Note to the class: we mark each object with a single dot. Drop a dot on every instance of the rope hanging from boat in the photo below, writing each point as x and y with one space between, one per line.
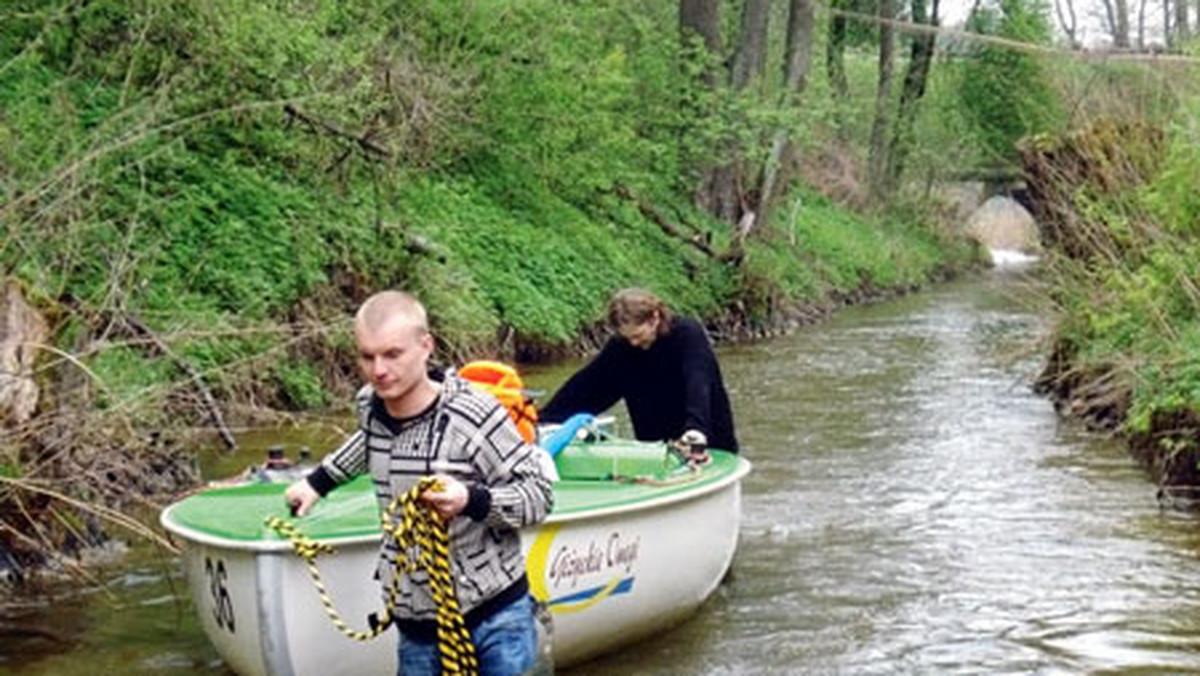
417 528
308 549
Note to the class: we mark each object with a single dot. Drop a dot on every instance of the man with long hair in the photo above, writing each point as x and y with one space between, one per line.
664 368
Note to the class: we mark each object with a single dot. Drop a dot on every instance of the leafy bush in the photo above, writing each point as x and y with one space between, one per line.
226 172
1140 309
1005 90
300 385
1173 197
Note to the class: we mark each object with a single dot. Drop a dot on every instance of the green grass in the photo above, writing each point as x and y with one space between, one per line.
154 179
1139 310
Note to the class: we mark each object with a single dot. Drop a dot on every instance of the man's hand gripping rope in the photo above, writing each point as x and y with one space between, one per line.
418 527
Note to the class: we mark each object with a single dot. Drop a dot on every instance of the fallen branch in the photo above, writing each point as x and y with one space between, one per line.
367 145
652 214
206 395
111 515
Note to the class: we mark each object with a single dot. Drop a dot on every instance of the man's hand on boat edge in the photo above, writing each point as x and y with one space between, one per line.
300 497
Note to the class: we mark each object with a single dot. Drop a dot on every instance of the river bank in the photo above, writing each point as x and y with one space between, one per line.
1102 399
1116 203
113 422
925 492
195 201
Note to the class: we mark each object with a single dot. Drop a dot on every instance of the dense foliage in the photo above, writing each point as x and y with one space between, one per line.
197 195
1006 91
1128 286
237 176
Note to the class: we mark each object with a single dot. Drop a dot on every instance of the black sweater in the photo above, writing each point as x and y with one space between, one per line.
672 387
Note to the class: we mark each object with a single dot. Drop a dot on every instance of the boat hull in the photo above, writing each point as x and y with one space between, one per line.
609 577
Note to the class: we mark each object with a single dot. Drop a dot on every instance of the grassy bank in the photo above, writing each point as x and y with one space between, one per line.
236 184
1120 203
194 199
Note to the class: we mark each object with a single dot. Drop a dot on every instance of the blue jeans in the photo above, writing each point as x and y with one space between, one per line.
505 644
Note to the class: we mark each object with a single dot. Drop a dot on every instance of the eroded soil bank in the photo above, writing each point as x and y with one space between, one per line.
1101 399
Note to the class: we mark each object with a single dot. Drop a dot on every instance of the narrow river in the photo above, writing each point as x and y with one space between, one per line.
914 509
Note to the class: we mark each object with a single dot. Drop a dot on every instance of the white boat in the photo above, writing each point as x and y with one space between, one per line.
636 542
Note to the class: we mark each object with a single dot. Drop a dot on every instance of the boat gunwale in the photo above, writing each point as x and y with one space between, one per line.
741 469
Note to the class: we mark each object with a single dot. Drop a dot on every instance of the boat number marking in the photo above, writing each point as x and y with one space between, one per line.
221 602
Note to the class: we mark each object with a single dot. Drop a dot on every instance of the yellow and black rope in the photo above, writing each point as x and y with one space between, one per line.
418 528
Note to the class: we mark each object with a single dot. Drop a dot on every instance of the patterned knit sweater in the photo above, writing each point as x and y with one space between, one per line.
468 435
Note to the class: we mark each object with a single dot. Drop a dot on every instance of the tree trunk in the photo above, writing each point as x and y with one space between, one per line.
1110 18
797 61
1182 30
799 47
1116 15
725 198
915 78
1166 13
835 53
701 19
700 39
1141 27
1068 20
877 154
1121 29
750 58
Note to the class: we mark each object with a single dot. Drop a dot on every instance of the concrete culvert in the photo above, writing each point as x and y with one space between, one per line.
1002 225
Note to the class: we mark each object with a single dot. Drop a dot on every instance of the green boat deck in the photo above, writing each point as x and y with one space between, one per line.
647 473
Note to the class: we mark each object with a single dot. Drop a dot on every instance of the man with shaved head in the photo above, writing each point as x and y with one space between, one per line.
414 423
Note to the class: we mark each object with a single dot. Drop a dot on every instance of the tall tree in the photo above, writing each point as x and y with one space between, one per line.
915 78
1182 30
1116 20
700 39
1168 39
1141 26
1117 13
750 57
798 53
1069 23
835 51
722 193
796 64
1005 92
877 153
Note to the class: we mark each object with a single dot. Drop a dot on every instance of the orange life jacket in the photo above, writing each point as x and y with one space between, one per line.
504 383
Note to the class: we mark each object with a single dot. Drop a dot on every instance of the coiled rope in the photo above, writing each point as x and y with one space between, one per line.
418 528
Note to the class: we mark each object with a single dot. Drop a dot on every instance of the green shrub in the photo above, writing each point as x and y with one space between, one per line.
300 386
1007 91
228 171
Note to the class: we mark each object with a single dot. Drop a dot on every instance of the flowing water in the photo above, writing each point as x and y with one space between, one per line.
914 509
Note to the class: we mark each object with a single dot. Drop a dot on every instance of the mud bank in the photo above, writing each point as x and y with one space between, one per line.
1100 399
